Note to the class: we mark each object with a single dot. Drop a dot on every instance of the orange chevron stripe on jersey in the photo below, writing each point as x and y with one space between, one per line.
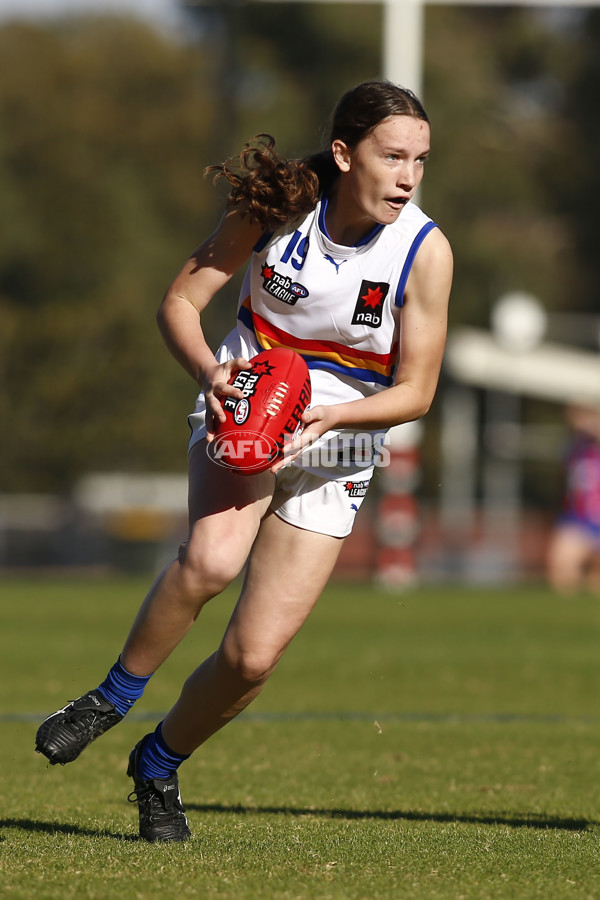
364 365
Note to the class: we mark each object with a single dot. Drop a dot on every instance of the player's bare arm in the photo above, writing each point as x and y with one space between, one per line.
204 274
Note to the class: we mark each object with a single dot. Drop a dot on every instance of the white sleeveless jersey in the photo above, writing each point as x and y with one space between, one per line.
339 307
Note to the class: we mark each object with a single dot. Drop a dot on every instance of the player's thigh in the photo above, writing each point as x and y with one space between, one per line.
215 489
287 571
225 511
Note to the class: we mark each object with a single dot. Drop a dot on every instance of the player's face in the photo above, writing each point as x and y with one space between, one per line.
382 173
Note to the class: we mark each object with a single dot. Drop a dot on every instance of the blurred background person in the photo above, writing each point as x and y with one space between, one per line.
574 549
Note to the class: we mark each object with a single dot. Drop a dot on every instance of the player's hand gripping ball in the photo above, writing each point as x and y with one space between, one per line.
259 426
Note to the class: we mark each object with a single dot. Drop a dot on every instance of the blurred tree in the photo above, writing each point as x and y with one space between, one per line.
496 80
288 87
576 183
105 126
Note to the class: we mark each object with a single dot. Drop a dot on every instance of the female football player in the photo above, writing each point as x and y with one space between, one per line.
372 275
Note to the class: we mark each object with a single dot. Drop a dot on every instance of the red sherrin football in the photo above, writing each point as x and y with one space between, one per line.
276 392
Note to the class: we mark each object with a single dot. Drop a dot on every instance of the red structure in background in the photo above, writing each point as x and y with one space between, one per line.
397 514
382 546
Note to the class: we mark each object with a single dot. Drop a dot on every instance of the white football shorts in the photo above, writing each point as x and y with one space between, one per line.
324 505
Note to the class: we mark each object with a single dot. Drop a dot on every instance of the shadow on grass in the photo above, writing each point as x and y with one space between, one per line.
35 825
533 820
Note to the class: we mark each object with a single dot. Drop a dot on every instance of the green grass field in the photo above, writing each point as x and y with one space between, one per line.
442 743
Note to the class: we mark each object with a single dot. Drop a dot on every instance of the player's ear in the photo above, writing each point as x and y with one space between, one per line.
341 154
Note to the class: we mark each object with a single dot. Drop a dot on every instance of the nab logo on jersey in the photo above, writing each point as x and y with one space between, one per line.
369 305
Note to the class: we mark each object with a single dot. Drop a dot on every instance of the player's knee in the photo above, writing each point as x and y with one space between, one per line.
253 669
206 571
251 666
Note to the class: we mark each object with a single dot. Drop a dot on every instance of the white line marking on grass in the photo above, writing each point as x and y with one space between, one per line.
355 716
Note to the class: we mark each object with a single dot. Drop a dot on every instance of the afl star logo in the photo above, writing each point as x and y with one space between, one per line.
241 412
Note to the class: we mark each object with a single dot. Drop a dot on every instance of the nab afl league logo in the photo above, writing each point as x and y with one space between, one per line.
282 286
369 304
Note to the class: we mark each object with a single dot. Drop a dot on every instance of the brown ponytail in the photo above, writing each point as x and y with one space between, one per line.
273 190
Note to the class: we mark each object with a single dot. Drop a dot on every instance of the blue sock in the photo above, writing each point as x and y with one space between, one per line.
157 760
122 688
